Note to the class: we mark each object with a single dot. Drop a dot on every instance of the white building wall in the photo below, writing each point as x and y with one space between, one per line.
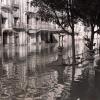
33 23
22 38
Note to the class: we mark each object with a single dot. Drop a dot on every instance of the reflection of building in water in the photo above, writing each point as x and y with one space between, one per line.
21 84
28 70
16 68
27 79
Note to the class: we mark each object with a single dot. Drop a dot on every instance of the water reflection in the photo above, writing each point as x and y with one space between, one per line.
41 72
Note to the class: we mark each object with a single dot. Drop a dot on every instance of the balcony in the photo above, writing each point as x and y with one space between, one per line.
6 7
19 27
46 26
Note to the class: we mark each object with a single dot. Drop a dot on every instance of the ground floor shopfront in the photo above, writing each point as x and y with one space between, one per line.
10 37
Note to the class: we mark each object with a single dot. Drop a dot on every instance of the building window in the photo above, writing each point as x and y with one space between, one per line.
15 21
28 19
3 20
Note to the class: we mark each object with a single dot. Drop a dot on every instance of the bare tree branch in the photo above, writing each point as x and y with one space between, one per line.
60 23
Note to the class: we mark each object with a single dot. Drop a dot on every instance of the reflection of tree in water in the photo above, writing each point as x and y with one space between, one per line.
41 73
73 89
79 88
83 88
58 65
50 85
97 77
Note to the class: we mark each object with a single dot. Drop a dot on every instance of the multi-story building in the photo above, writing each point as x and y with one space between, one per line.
19 23
9 17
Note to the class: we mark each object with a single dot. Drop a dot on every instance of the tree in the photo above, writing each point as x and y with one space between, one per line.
62 13
88 11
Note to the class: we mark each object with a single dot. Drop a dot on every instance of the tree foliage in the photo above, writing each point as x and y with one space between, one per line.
64 10
61 12
66 13
88 11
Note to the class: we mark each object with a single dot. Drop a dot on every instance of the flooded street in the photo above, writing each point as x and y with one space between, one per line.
49 50
41 72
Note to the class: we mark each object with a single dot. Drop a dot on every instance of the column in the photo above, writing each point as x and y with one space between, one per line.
13 38
34 39
8 39
39 38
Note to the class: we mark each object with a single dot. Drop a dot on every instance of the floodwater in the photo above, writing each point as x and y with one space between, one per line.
44 72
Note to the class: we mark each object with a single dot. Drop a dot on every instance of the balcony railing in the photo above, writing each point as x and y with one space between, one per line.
46 26
19 27
37 28
42 27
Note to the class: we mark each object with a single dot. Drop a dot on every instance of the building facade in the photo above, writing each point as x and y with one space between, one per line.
19 25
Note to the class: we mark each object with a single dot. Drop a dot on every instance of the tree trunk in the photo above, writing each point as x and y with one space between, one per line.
73 33
92 37
0 25
0 29
73 46
91 44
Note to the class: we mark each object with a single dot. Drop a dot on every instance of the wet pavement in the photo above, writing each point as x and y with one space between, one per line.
41 72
